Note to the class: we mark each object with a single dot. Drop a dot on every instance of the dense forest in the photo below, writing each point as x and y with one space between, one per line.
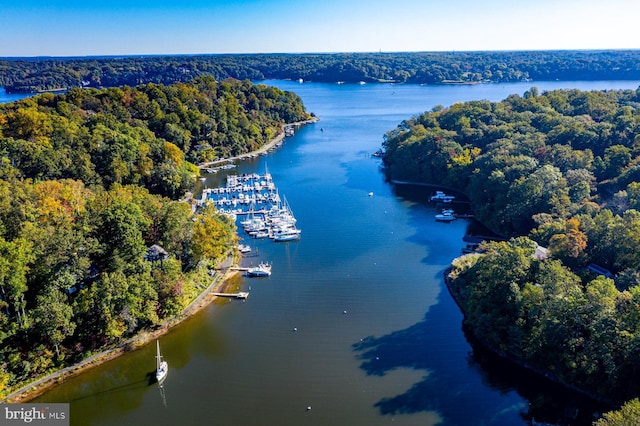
149 135
558 169
45 74
94 245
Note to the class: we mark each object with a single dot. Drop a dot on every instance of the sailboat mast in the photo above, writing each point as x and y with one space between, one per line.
158 357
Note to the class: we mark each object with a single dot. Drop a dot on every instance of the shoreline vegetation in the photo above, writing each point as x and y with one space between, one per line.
43 384
455 295
221 283
269 145
96 244
557 170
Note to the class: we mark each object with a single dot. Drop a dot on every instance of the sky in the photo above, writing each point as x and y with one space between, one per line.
139 27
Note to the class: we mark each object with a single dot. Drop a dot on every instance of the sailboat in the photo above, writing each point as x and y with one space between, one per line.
162 368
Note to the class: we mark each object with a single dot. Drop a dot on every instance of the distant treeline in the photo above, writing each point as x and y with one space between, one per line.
44 74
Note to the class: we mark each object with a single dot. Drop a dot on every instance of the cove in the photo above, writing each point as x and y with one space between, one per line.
378 340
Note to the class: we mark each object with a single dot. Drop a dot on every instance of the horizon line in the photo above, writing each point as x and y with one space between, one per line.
130 55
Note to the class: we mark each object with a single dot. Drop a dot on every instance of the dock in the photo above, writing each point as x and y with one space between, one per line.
239 295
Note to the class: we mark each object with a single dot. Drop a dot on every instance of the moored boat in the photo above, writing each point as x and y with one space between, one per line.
447 215
262 270
442 197
162 367
286 235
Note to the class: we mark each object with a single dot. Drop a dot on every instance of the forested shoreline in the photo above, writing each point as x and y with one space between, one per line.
557 169
28 75
94 244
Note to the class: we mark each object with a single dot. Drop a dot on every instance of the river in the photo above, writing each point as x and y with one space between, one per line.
378 338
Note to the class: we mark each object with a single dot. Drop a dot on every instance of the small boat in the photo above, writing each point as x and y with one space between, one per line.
371 194
446 216
162 368
244 248
262 270
259 234
442 197
287 235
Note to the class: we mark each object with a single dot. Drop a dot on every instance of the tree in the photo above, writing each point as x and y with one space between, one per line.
627 415
213 235
120 231
15 256
53 317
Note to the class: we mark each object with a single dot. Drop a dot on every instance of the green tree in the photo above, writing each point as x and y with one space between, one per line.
52 317
213 235
627 415
15 257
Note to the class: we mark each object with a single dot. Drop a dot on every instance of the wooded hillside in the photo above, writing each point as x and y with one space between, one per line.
94 246
559 169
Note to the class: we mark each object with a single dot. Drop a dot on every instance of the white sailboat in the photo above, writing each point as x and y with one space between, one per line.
162 368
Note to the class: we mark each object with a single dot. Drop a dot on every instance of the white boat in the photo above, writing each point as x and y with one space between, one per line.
446 216
244 248
286 235
259 234
262 270
162 368
442 197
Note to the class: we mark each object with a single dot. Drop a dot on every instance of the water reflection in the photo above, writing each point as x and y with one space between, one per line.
163 396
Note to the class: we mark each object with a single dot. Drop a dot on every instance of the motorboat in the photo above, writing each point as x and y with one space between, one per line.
286 235
262 270
442 197
447 215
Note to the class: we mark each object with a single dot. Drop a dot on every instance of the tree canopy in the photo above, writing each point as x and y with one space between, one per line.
44 74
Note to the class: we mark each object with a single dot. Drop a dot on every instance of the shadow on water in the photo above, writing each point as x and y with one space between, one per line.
426 346
457 370
121 388
455 392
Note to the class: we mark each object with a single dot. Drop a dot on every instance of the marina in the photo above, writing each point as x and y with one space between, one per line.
256 198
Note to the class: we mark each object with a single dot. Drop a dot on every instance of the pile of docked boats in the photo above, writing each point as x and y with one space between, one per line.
278 223
447 214
256 198
243 193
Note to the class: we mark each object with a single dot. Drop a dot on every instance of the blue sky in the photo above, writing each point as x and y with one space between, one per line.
119 27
